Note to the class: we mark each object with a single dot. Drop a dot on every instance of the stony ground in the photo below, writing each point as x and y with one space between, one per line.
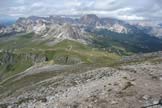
125 86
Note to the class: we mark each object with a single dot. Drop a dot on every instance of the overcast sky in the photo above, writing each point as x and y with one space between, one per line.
122 9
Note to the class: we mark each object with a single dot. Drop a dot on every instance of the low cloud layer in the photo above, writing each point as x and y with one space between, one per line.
122 9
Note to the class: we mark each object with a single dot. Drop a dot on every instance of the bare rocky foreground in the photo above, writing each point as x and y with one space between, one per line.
125 86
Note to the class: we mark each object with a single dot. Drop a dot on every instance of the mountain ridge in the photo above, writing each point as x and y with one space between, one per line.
26 24
108 33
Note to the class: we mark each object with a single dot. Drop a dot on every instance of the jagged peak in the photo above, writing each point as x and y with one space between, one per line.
91 16
91 19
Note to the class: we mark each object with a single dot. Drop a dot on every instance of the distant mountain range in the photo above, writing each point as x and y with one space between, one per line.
107 33
152 28
35 24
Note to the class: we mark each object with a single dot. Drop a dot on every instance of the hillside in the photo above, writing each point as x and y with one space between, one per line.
20 52
124 43
138 83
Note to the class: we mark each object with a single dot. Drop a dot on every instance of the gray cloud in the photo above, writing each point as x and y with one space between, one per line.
123 9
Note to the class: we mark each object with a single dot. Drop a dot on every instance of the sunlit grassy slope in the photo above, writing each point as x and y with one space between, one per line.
65 52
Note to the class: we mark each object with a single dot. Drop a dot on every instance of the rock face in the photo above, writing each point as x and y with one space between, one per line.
65 31
105 23
11 58
14 62
90 19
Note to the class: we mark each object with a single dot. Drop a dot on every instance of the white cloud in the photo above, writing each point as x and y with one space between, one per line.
20 1
37 4
16 15
123 9
107 4
73 3
131 17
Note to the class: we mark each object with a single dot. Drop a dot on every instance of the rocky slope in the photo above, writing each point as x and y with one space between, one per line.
81 86
65 31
